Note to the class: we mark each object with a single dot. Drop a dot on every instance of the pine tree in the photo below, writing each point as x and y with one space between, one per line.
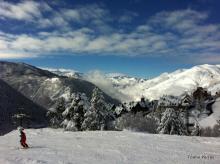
196 130
74 115
171 123
60 106
55 114
97 117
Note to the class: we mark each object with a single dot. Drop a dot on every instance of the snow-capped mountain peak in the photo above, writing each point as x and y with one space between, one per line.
64 72
174 83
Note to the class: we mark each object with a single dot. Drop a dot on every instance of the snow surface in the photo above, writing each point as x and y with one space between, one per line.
102 147
211 120
216 109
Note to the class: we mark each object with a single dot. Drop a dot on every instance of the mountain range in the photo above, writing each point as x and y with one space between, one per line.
34 91
126 88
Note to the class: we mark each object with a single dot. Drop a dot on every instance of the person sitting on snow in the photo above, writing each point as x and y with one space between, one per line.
23 138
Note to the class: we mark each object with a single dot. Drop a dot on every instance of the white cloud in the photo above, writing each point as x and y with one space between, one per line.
41 15
99 79
127 17
3 45
72 14
211 58
98 43
181 19
14 55
88 29
26 43
26 10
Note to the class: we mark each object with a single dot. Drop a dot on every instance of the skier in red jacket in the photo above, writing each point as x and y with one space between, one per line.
23 138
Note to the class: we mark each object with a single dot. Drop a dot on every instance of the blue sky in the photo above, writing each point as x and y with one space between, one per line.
135 37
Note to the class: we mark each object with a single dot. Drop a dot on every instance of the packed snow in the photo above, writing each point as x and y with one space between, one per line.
50 146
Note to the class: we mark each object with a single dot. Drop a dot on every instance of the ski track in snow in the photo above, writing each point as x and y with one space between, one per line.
50 146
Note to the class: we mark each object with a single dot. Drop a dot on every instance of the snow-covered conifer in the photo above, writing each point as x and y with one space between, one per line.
97 117
171 123
137 122
196 130
74 114
55 114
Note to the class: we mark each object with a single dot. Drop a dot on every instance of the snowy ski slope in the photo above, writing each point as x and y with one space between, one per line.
49 146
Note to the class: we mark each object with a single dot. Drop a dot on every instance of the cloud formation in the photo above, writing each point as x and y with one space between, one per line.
91 29
14 55
99 79
26 10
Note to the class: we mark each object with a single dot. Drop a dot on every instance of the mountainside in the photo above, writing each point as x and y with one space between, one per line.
65 72
41 86
32 91
12 102
175 83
